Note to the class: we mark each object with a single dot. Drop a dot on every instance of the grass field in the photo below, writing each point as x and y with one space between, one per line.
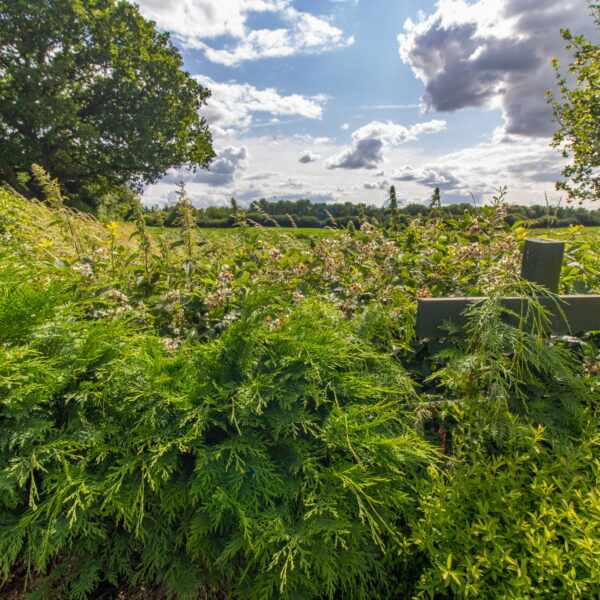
566 233
274 233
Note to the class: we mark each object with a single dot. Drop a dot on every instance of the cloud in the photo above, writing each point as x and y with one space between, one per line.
309 140
527 165
376 185
195 21
262 176
389 106
308 157
292 182
429 176
492 53
369 141
232 105
345 126
191 20
543 168
364 154
230 162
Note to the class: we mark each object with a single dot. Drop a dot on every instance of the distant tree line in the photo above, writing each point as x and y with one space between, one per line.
307 214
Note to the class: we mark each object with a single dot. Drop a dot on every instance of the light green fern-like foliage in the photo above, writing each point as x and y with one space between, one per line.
277 462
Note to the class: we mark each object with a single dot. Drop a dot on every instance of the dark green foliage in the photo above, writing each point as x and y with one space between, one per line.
277 461
436 200
536 216
515 369
92 92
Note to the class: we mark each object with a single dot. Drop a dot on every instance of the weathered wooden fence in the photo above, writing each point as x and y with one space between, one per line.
541 264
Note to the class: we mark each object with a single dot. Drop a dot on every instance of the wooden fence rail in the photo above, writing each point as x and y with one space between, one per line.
541 264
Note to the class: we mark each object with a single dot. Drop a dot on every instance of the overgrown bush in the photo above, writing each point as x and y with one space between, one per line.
248 415
277 461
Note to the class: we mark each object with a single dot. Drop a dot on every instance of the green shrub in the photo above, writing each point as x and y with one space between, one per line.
522 525
249 416
278 461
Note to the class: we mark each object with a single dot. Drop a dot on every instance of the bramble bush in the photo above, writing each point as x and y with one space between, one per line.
250 416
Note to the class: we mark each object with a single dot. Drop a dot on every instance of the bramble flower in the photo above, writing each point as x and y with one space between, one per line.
117 296
272 323
170 344
84 269
172 297
100 254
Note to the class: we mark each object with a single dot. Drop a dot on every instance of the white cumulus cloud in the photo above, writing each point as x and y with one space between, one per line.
232 105
195 21
369 141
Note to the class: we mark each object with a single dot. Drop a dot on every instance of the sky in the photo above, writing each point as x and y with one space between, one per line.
336 100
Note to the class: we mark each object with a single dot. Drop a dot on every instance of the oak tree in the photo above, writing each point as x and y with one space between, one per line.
90 90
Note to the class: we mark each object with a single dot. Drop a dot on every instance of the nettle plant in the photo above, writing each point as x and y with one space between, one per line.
250 415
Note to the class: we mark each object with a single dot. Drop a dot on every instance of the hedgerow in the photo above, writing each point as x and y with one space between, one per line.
251 416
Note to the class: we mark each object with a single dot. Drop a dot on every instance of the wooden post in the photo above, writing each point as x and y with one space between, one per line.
541 264
542 260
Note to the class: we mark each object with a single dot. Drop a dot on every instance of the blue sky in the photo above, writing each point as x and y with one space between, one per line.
336 100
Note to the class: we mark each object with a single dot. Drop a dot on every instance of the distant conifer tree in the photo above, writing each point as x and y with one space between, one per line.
392 199
393 207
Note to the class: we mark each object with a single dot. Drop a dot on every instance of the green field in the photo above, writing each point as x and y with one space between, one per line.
318 233
567 233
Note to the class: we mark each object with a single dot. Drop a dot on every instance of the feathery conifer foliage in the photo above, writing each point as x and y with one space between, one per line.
264 425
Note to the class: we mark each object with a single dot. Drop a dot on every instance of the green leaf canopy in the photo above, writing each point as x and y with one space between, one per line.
92 92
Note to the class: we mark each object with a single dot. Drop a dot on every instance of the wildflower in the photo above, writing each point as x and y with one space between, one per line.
225 274
84 269
272 323
173 297
117 296
217 298
100 254
170 344
121 299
